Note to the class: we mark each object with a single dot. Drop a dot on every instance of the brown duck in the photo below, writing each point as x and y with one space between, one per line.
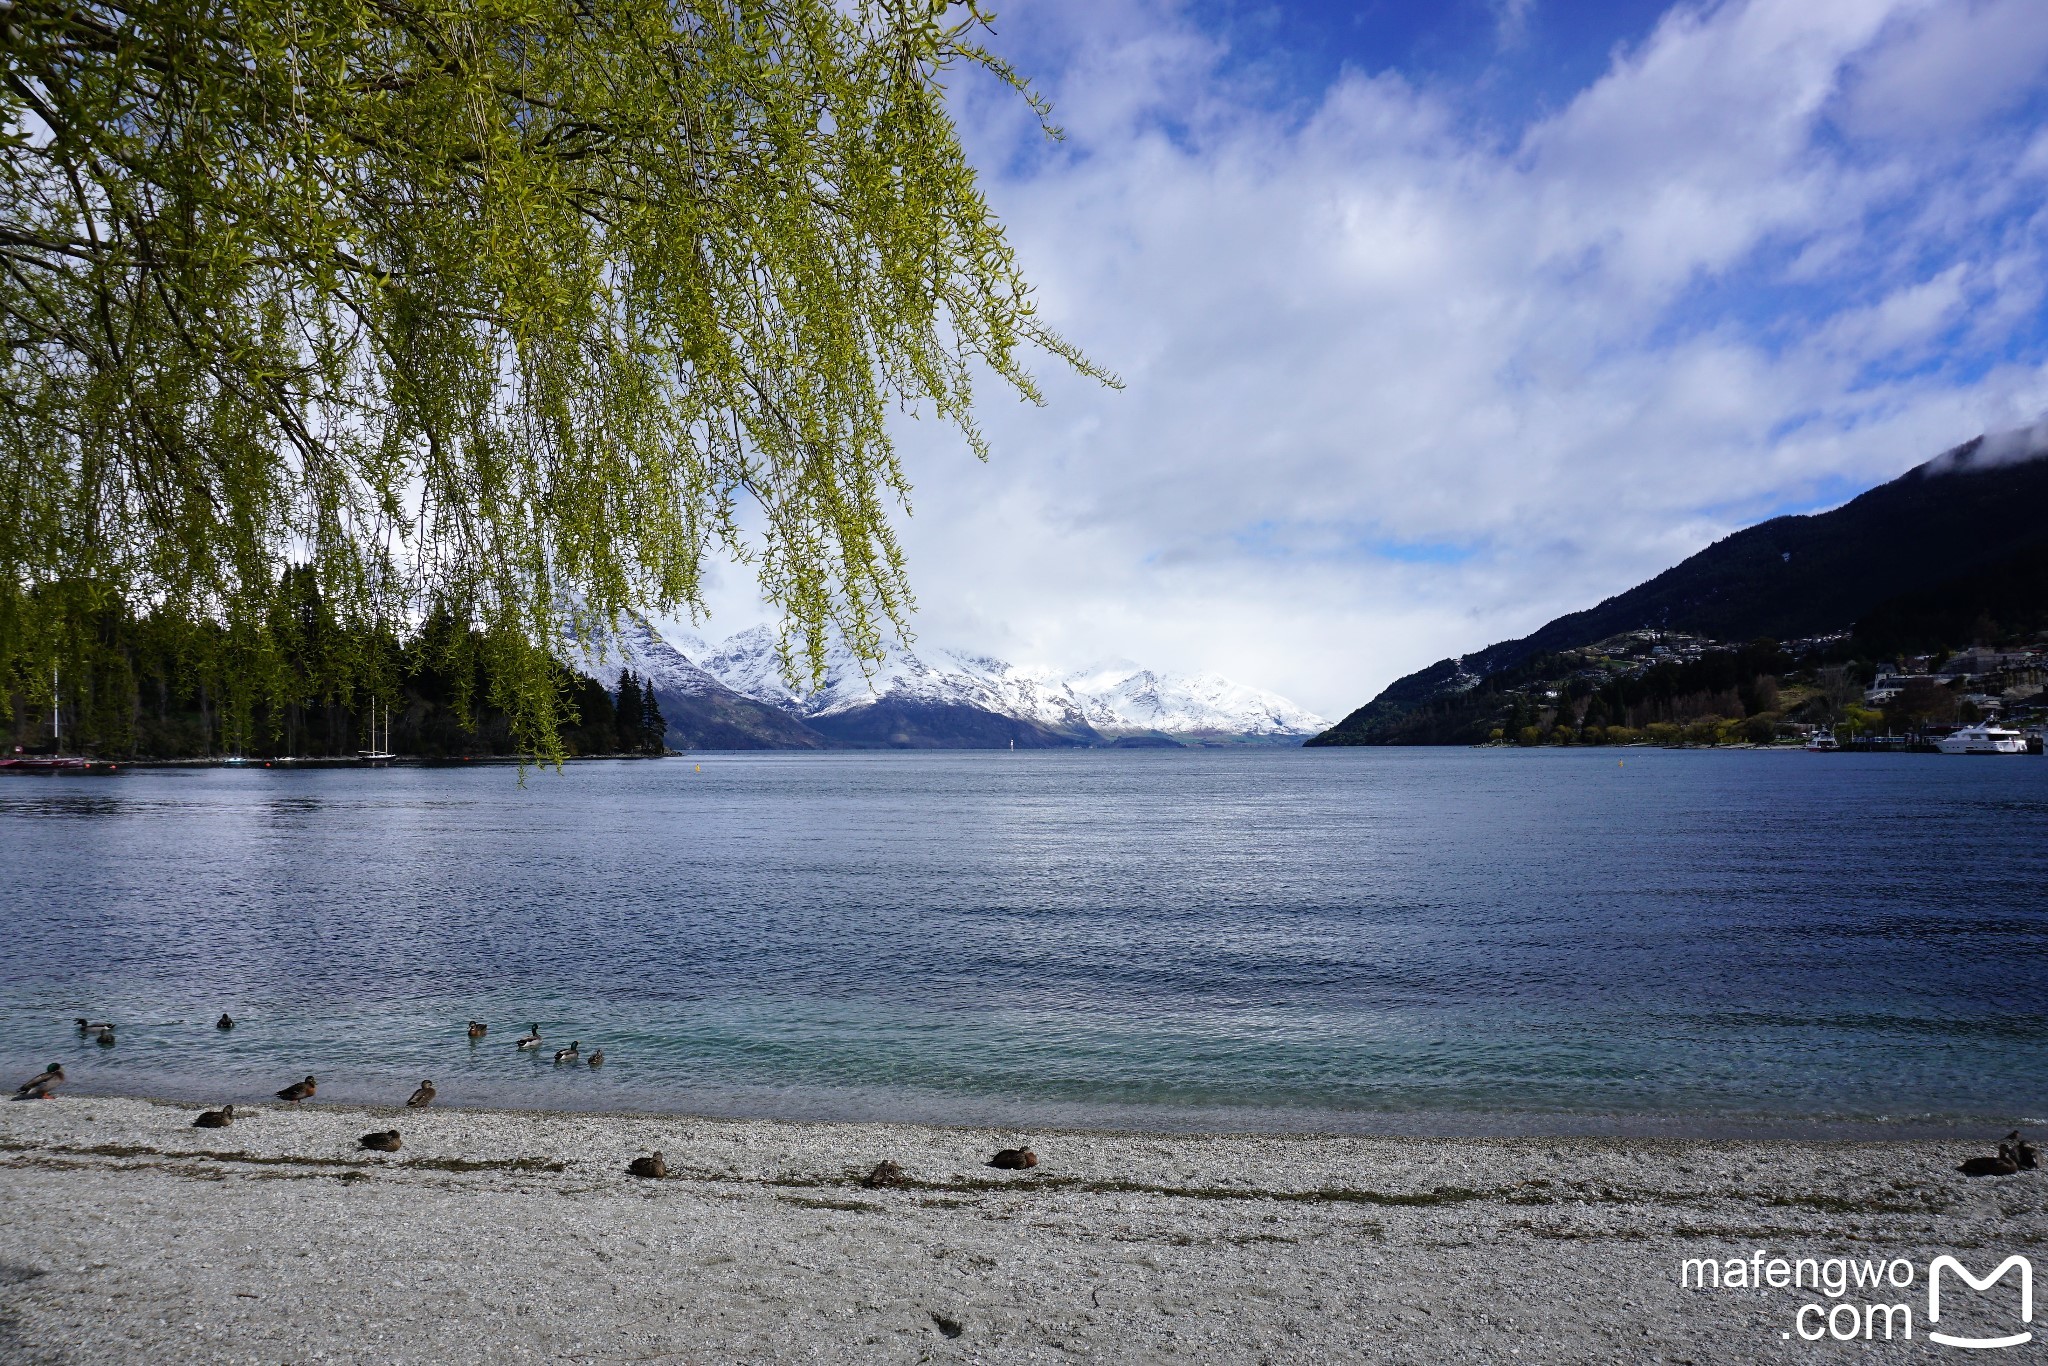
477 1029
297 1091
1014 1159
597 1057
2023 1152
2005 1164
651 1167
885 1174
215 1119
385 1141
422 1098
38 1086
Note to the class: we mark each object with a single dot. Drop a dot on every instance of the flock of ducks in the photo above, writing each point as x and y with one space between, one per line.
44 1084
2014 1155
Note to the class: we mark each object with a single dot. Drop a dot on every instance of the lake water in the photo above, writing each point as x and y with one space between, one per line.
1380 940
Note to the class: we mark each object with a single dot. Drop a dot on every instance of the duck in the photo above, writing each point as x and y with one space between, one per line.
597 1057
1014 1159
384 1141
107 1039
225 1022
477 1029
38 1086
422 1098
86 1027
885 1174
652 1168
568 1054
215 1119
2023 1152
297 1091
2005 1164
530 1039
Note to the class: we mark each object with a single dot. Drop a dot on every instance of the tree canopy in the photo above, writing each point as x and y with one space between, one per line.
513 310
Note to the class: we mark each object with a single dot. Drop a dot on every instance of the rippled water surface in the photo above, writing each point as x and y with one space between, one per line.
1405 940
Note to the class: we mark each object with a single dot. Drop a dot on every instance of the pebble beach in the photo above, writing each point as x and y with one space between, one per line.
508 1236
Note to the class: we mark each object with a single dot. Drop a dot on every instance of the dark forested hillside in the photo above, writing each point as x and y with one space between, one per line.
1951 553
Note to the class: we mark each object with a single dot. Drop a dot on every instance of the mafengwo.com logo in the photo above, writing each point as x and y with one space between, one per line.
1851 1299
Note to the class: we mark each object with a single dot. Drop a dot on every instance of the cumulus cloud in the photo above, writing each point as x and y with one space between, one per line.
1402 381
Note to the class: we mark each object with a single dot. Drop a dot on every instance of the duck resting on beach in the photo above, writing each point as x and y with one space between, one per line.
215 1119
1014 1159
886 1173
225 1022
568 1054
2005 1164
477 1029
297 1091
652 1168
530 1039
39 1086
384 1141
2024 1152
421 1098
597 1057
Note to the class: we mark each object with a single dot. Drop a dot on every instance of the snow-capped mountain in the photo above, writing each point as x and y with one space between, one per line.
926 697
1116 698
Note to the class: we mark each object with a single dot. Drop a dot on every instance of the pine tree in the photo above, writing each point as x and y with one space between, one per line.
653 725
628 712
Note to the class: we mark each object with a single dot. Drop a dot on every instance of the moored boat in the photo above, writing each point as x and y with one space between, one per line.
1983 738
48 765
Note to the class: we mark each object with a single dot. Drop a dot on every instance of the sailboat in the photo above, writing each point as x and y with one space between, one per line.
377 756
55 762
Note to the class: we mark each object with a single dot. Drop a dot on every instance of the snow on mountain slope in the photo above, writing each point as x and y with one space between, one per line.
636 645
1113 698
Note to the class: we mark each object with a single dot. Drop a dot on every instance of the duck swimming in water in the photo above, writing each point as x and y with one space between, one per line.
225 1022
477 1029
568 1054
297 1091
38 1087
85 1027
421 1098
597 1058
107 1037
215 1119
528 1040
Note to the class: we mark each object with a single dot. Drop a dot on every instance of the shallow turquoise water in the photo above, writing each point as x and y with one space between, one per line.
1405 940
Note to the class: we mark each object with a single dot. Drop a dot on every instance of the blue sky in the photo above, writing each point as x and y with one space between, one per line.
1440 320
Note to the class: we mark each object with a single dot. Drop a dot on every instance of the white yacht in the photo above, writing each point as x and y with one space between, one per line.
1984 738
1822 742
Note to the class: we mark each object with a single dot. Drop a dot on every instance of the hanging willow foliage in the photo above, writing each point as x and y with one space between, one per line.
512 310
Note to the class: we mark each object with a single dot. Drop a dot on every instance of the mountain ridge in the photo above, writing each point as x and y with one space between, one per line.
1971 512
733 694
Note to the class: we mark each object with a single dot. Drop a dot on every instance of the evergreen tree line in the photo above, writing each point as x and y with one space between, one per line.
149 686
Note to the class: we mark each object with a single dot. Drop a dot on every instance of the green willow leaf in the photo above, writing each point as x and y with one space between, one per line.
512 311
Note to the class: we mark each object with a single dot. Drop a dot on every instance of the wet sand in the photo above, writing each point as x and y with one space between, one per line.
516 1236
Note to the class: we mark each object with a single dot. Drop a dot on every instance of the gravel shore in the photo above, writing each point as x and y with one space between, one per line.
517 1236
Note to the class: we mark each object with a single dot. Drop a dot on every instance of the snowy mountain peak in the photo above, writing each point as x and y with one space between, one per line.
1112 697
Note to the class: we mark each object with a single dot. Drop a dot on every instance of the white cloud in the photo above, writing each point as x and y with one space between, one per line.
1398 387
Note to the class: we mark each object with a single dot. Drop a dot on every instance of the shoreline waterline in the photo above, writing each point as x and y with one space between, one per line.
1153 1123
